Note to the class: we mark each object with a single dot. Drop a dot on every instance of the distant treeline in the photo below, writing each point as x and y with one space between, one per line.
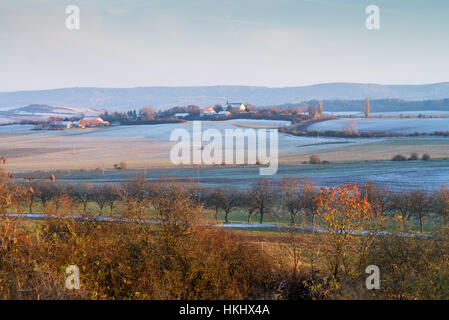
379 105
356 134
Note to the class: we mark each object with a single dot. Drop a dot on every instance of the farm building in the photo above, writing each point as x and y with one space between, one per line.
92 122
233 105
224 113
208 111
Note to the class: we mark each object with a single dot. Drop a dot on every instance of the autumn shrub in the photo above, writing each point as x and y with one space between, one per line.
214 265
341 211
399 157
123 165
414 156
24 258
117 262
314 159
412 267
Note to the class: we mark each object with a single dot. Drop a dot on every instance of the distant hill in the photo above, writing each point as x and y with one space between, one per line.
41 112
164 97
41 108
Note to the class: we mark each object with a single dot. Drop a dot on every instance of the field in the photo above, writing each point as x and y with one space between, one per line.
89 155
393 125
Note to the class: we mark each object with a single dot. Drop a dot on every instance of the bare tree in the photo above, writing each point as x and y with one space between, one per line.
112 195
420 206
290 196
31 197
99 195
83 194
262 196
379 198
198 194
441 203
367 107
227 199
44 191
249 203
60 200
211 202
294 202
136 196
320 108
308 193
401 203
19 195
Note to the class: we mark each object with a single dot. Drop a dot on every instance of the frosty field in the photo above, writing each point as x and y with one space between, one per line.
147 148
393 125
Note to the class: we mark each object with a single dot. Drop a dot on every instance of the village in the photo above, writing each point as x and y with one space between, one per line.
179 114
58 124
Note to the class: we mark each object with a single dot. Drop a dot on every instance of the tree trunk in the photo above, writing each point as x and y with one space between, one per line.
226 216
261 216
249 217
421 222
336 271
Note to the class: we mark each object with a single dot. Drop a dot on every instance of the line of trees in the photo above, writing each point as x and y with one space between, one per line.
347 133
289 199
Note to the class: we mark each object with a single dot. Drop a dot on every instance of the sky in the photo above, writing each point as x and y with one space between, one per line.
273 43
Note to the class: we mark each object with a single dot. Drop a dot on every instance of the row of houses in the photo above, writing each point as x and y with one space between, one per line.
83 123
209 111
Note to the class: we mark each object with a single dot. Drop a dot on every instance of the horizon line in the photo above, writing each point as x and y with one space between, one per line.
226 85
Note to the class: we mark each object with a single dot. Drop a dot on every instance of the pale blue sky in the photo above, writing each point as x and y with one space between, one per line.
271 43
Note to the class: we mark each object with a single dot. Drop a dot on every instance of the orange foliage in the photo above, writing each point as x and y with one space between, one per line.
342 209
